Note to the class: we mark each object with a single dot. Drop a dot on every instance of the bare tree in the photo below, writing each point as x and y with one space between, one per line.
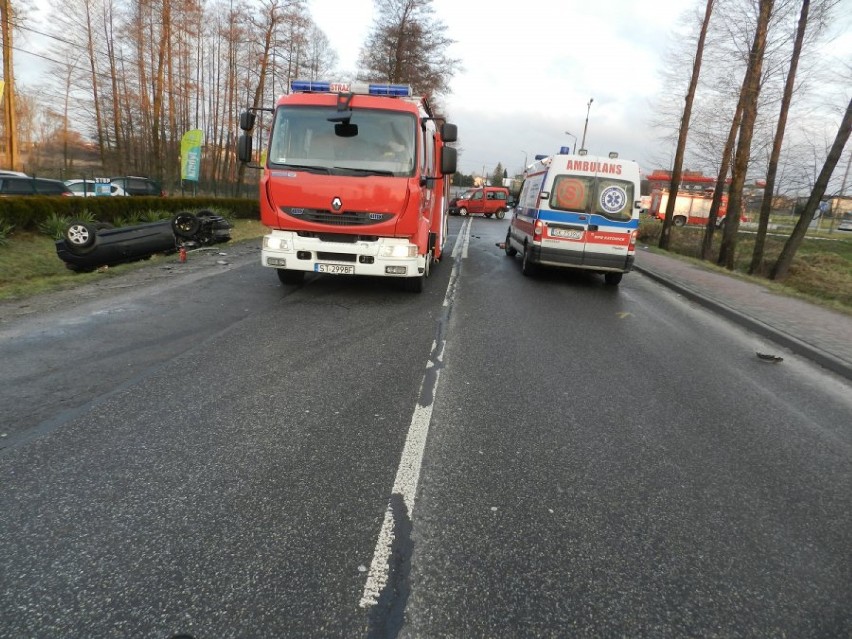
782 266
721 182
665 233
772 168
751 93
407 45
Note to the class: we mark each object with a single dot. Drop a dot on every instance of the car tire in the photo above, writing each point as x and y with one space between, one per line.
81 237
679 221
414 284
528 267
511 251
185 225
417 284
613 279
501 213
290 277
463 212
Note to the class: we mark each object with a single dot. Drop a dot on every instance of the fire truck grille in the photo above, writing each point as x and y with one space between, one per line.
347 218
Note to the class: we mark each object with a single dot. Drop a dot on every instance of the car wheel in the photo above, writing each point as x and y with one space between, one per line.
289 276
528 267
511 251
613 279
414 284
679 221
463 212
501 214
185 225
80 237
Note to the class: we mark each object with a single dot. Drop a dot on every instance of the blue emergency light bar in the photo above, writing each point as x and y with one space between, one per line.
311 86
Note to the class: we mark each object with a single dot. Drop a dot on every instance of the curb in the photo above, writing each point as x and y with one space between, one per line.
811 352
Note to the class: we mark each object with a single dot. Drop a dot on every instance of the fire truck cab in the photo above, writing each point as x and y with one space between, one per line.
355 181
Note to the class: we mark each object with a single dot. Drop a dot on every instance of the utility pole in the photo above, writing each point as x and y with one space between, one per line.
586 125
11 137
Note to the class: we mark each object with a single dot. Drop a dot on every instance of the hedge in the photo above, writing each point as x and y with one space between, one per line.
27 213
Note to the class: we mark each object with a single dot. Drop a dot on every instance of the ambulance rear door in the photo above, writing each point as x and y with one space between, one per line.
593 220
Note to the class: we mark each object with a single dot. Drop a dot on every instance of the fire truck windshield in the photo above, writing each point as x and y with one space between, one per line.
383 144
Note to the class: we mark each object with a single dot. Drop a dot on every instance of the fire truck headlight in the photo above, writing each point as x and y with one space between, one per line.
276 243
398 250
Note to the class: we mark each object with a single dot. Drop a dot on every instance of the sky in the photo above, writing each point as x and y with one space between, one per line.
529 71
528 75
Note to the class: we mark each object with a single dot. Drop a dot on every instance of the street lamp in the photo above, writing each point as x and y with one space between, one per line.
573 148
586 125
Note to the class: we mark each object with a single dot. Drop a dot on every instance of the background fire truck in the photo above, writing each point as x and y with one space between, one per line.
355 181
694 197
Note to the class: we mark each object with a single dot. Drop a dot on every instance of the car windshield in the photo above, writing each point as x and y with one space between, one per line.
378 142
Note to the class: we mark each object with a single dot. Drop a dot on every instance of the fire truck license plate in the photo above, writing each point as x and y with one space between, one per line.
571 234
335 269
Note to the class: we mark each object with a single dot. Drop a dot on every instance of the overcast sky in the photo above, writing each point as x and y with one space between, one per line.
529 72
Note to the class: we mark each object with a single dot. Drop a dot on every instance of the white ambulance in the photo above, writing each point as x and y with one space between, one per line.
577 211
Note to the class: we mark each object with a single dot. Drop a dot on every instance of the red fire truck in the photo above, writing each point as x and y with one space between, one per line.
355 182
694 196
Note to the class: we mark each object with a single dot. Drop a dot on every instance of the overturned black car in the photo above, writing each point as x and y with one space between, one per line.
86 246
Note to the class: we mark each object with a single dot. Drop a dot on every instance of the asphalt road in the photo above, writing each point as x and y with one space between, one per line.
206 451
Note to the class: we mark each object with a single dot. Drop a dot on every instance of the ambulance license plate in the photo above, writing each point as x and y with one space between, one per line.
335 269
571 234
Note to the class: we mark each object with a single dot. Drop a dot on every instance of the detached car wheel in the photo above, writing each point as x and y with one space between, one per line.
80 237
185 225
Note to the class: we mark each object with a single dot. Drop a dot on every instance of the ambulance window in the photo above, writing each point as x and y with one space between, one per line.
614 199
571 193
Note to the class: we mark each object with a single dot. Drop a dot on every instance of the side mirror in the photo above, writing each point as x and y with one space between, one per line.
247 119
449 158
449 132
244 148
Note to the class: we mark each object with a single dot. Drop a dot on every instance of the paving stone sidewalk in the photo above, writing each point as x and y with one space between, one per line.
818 333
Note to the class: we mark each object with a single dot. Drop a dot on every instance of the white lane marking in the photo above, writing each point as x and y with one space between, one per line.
463 240
408 471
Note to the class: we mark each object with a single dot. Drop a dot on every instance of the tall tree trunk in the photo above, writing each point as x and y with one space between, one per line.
721 180
782 266
9 107
90 50
751 89
118 134
677 169
772 169
264 63
157 126
141 145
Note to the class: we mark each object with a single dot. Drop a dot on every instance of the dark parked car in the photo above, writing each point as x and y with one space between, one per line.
86 246
134 185
15 185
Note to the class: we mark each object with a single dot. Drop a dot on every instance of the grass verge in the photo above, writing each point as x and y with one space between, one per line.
821 271
29 264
